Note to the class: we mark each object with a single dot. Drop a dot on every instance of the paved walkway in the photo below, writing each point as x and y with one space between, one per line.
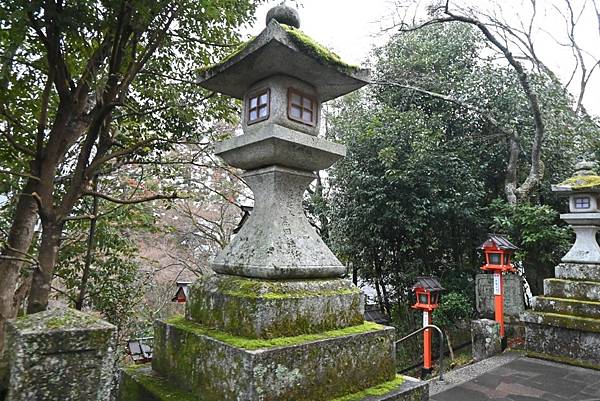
521 379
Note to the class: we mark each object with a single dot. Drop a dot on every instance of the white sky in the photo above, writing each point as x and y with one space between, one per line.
352 27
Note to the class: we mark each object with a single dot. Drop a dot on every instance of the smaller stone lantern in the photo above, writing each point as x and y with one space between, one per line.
427 291
583 191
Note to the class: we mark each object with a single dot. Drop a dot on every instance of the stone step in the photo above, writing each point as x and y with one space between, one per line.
223 367
574 289
578 323
578 271
141 383
563 337
567 306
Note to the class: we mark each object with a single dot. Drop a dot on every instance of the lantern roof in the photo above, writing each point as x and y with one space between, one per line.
428 283
500 241
282 49
585 179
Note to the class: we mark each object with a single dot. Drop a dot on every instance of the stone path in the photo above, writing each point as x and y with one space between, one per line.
524 379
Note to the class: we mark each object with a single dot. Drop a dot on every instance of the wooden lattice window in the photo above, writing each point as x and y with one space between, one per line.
302 107
259 106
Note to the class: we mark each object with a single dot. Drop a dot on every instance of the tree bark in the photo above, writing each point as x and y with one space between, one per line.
42 277
17 245
90 249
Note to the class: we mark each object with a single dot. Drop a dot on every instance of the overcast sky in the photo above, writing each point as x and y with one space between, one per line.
352 27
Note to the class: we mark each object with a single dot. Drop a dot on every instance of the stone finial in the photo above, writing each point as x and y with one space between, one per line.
284 15
585 168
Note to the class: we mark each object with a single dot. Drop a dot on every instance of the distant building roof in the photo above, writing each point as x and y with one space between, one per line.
373 314
140 349
428 283
500 241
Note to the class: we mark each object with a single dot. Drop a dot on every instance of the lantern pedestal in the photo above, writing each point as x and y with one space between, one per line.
564 323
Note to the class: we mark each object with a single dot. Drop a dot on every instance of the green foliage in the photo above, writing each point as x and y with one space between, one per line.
542 237
454 308
412 196
115 283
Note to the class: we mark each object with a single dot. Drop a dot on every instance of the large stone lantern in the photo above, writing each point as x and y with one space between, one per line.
278 322
564 324
583 192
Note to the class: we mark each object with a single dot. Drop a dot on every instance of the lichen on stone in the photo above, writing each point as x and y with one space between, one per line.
255 343
581 182
315 49
379 390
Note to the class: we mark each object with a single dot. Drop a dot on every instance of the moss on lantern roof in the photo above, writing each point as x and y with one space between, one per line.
581 182
315 49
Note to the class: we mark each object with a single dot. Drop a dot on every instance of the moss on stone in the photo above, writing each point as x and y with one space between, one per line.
568 321
379 390
315 49
562 359
140 383
254 344
581 182
276 289
56 319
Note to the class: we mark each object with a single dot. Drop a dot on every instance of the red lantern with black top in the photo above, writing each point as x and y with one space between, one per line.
427 291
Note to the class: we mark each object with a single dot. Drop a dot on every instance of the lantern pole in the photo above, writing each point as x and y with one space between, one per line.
426 344
499 301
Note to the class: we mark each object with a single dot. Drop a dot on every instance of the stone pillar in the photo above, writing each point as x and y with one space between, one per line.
61 355
486 340
514 304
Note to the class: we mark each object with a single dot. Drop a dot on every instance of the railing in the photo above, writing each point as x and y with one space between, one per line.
441 333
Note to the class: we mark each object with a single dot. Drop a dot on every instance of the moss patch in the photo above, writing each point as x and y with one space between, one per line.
140 383
378 390
582 182
254 344
569 321
316 50
264 289
562 359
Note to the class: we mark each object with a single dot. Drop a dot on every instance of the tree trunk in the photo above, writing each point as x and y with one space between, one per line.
89 252
18 244
42 277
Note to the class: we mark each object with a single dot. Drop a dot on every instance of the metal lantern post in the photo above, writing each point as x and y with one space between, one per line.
427 292
498 251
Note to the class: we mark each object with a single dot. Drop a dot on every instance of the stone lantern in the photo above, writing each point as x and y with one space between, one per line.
564 323
583 192
278 322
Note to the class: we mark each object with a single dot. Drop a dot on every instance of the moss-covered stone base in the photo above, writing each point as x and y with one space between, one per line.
562 337
565 306
140 383
320 368
270 309
574 289
562 359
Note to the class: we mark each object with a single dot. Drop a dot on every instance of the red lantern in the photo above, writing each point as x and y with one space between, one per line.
498 251
427 291
182 293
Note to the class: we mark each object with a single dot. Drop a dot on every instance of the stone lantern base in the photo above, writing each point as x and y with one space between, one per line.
271 340
565 322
